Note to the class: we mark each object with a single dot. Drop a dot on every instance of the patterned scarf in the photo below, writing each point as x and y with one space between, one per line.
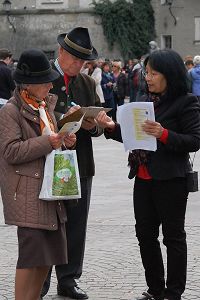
46 124
140 157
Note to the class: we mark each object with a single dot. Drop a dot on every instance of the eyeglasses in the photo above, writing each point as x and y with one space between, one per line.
149 75
114 66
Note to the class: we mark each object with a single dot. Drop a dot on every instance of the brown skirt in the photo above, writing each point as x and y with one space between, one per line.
39 247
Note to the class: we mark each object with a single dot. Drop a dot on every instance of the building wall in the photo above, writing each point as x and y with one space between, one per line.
183 33
38 22
36 27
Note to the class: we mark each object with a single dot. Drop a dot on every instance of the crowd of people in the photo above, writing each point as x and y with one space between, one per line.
34 97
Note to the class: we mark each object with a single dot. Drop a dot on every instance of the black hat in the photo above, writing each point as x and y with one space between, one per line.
34 67
4 53
77 42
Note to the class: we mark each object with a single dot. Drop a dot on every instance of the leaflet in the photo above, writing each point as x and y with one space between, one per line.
131 116
71 127
86 112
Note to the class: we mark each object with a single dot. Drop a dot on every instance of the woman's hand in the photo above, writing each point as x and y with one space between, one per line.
104 120
55 139
69 140
153 128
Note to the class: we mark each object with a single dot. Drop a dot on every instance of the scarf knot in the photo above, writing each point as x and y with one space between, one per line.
46 124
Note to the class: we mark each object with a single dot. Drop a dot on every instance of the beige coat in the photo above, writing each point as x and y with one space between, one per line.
22 158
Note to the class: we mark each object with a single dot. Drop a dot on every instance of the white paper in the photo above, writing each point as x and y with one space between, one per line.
3 101
130 117
71 127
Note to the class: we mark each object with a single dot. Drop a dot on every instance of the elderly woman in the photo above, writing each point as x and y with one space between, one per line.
160 189
27 135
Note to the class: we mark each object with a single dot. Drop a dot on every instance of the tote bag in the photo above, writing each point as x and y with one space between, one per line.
61 176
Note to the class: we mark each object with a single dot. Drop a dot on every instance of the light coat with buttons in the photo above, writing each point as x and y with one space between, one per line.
22 159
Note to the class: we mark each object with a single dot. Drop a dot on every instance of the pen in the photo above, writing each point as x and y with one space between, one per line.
73 103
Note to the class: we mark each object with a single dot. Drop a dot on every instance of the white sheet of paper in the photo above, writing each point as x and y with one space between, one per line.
3 101
130 117
71 127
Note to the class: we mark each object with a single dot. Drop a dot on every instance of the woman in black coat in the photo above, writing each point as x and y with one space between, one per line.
160 188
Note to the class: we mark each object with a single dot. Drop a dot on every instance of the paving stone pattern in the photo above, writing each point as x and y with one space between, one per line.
112 265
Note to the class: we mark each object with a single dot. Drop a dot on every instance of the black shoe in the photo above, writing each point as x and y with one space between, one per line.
73 292
146 296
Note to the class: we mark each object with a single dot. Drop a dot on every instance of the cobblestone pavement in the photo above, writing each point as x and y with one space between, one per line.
112 265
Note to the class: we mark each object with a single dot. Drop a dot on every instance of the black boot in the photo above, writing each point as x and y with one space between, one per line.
145 296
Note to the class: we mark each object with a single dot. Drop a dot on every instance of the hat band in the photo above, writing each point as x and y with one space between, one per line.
77 47
28 73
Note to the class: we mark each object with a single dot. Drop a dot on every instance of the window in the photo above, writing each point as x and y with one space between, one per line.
197 28
50 54
166 41
51 1
51 4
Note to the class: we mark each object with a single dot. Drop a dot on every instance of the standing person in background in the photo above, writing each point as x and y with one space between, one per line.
100 61
95 72
76 48
136 77
119 86
189 64
194 75
160 188
7 84
107 88
141 86
131 65
27 134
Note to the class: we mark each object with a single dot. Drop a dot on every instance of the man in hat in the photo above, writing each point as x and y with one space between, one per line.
73 86
7 84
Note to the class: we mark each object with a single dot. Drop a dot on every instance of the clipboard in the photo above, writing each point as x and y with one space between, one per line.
87 112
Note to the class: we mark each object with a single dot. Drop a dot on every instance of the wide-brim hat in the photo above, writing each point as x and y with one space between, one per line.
77 42
34 68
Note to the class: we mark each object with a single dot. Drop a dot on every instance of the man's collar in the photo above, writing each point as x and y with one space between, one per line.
58 67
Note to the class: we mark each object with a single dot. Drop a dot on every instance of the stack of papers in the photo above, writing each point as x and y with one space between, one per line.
130 117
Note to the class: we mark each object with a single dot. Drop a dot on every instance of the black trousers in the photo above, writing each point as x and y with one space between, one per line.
76 226
162 202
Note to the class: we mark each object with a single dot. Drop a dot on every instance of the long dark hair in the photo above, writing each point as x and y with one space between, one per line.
170 64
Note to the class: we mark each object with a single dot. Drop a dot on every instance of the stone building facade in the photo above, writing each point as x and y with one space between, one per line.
178 25
38 22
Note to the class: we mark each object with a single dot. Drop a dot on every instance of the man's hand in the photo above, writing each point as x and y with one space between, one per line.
71 110
88 123
69 140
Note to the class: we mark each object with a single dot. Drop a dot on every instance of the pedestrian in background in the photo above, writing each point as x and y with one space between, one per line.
107 88
120 83
24 143
95 72
130 78
194 75
189 64
75 49
7 84
160 188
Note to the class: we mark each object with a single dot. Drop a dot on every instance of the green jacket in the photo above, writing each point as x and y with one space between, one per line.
82 91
